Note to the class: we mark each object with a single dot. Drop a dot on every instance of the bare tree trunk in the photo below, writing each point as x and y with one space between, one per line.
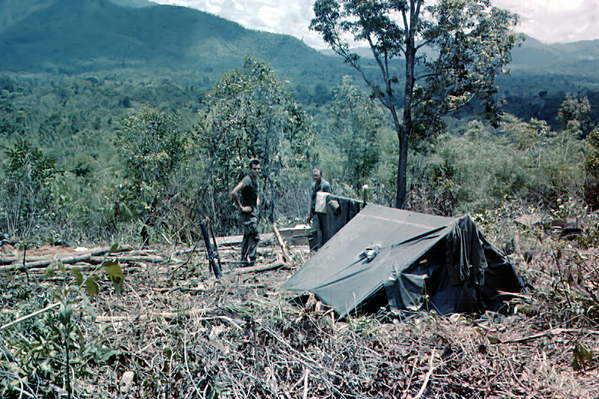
402 168
403 133
272 199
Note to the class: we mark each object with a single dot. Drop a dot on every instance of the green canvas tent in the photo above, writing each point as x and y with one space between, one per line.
407 260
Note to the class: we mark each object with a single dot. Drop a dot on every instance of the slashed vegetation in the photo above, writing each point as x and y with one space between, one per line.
175 331
140 160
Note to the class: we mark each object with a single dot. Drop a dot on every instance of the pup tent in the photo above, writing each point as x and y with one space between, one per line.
409 261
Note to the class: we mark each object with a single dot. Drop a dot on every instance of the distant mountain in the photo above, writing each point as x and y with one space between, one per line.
78 35
14 11
579 58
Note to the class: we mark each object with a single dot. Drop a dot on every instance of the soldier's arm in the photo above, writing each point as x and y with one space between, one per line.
236 198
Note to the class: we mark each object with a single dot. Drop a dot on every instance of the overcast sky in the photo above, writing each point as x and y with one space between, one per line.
549 21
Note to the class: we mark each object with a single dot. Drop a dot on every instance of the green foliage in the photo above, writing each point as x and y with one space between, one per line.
42 354
357 120
573 113
582 357
26 189
67 307
73 119
79 116
85 205
253 115
116 275
551 160
470 42
154 151
591 168
477 167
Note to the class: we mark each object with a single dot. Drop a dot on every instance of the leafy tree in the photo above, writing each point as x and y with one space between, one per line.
26 190
527 136
154 149
357 120
322 94
253 115
468 42
573 113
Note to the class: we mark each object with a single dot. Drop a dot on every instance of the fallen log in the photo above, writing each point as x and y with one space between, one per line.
133 259
94 260
44 263
10 259
244 270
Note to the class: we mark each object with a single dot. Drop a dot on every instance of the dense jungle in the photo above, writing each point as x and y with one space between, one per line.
120 136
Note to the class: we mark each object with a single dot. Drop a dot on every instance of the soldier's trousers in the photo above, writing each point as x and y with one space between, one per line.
315 236
251 238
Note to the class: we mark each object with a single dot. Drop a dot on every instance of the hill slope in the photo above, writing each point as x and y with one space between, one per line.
79 35
579 58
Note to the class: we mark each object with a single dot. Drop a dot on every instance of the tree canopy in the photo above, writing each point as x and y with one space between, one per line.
253 115
356 122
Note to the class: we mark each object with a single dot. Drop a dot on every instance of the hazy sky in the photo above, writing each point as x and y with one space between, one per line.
549 21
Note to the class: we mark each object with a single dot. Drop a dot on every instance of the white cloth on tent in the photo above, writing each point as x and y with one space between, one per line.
321 202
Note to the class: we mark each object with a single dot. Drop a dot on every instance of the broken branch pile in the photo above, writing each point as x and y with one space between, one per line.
66 256
177 331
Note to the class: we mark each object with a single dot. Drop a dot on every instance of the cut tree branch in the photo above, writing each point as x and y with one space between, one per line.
29 316
286 255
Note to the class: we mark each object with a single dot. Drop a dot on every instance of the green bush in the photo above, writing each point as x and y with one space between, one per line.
25 192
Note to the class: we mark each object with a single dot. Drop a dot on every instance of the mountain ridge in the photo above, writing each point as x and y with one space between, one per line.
580 57
79 35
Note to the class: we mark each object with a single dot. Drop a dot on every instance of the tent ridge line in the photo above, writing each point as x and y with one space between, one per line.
406 222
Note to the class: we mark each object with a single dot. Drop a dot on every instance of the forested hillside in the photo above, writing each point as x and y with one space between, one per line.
76 71
128 122
75 36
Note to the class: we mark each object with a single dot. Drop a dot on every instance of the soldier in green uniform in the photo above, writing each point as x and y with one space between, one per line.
246 196
320 184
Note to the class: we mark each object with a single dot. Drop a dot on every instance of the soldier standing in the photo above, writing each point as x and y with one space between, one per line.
320 185
246 196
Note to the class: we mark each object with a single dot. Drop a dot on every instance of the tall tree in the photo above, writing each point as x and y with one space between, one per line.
253 115
26 188
468 43
154 148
